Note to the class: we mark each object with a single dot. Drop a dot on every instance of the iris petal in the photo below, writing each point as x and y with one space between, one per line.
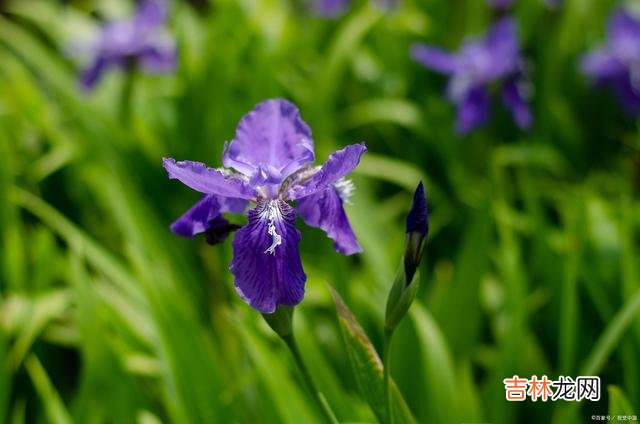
473 110
515 101
338 165
624 34
272 136
435 58
602 65
199 177
324 210
266 261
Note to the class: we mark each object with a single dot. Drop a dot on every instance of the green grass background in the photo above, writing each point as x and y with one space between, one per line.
532 265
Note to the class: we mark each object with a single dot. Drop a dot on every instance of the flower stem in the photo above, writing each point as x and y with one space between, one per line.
126 96
306 376
388 334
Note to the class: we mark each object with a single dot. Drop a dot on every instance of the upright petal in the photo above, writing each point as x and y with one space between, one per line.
270 137
624 35
199 177
514 98
324 210
503 47
473 110
151 13
205 214
435 58
338 165
266 261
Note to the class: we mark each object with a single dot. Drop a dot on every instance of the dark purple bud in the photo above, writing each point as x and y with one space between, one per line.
417 229
417 220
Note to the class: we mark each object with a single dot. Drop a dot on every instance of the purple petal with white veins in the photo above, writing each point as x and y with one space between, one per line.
514 100
266 261
199 177
473 110
338 165
434 58
271 137
602 65
324 210
199 217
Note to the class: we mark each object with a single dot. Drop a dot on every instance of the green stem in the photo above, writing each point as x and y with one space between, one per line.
126 96
306 376
388 334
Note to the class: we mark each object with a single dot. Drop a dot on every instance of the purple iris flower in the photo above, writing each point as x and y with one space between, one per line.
270 163
478 64
617 64
138 41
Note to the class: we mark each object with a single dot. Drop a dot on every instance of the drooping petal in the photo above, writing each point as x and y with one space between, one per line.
338 165
473 110
266 261
90 77
325 210
271 137
158 58
628 94
514 98
199 177
602 65
435 58
205 214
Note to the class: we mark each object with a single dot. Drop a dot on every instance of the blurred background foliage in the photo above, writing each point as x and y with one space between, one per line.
531 267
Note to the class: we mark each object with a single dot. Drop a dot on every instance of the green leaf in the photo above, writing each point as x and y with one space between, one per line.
54 408
618 402
367 367
437 364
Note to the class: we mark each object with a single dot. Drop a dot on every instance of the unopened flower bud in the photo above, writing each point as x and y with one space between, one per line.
417 229
404 289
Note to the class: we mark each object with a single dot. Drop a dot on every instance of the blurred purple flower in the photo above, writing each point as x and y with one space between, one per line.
478 64
269 162
617 63
138 41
